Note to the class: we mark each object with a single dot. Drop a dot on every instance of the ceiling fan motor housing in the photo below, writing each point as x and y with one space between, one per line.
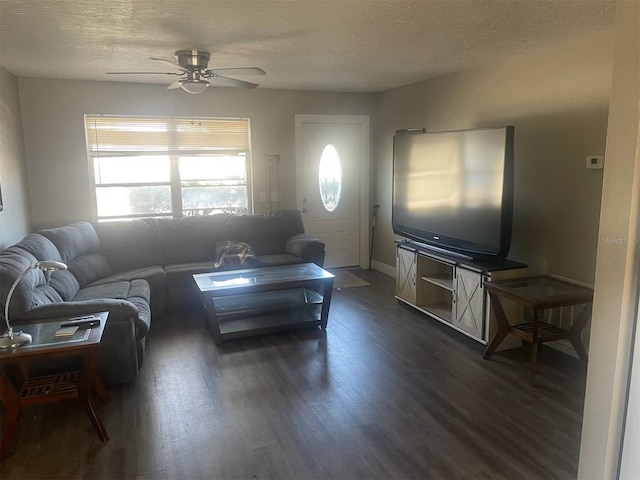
192 59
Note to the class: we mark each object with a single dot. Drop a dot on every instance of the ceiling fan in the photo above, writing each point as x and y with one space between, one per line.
196 77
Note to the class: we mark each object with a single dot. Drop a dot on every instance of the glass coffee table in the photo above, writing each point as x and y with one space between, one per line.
261 300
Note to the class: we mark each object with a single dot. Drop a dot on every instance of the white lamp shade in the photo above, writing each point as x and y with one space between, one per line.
50 265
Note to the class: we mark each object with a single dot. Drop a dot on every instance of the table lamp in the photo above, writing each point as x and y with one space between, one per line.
11 339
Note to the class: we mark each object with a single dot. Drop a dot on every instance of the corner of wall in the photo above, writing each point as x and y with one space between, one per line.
15 216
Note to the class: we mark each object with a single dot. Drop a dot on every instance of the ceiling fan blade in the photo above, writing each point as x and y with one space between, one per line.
173 64
232 82
237 71
143 73
175 85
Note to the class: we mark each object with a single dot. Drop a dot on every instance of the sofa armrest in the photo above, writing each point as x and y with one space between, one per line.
307 247
119 310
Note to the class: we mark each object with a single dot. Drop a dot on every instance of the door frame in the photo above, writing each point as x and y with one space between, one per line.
363 121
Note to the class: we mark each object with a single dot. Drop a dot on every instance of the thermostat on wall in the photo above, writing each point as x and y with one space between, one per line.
595 162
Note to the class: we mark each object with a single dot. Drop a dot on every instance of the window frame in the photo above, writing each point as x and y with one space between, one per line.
173 152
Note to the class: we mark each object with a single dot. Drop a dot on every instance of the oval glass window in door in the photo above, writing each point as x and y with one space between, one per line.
330 178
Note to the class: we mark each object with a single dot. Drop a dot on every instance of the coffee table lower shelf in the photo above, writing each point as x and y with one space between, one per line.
264 312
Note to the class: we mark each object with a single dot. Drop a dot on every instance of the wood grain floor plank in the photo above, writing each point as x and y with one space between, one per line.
384 393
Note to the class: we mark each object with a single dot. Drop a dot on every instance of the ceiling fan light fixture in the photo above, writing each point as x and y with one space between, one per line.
194 86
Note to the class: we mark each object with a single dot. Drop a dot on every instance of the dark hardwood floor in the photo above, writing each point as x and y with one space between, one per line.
384 393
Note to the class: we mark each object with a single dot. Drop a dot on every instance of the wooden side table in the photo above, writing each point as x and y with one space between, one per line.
34 390
539 293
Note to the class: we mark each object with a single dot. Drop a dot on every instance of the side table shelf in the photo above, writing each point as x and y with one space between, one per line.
60 385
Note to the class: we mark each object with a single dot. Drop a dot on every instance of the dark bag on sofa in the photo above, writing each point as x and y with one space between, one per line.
231 255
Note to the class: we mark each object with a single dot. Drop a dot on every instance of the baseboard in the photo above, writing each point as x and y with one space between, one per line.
383 268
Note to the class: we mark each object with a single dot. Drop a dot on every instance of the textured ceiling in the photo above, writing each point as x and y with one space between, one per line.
326 45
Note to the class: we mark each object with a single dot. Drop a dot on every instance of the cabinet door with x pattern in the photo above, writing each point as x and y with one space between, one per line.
406 275
469 300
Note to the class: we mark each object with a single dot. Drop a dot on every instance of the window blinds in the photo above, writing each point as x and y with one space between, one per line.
108 135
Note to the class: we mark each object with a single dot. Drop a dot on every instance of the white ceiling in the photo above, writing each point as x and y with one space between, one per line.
325 45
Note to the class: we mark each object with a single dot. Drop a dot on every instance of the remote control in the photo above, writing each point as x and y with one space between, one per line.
83 317
82 323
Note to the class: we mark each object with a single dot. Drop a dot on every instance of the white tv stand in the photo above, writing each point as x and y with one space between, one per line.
451 289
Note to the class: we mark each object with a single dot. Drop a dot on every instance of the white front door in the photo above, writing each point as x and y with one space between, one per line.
331 161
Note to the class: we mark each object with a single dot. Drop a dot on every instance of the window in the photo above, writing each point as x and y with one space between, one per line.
152 167
330 178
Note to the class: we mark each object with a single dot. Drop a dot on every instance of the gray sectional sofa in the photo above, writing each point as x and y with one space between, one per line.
138 269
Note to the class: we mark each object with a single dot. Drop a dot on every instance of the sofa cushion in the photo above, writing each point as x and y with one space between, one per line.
135 292
43 249
79 248
32 290
268 233
154 275
117 290
193 239
131 245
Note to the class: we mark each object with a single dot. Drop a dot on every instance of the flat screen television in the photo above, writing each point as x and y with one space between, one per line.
454 190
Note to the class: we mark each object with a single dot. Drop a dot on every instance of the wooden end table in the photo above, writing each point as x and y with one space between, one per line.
34 390
539 293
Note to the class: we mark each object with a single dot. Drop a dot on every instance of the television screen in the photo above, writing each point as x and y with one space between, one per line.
454 190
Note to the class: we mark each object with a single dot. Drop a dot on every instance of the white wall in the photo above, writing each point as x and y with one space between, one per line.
557 98
56 156
618 262
630 464
15 218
